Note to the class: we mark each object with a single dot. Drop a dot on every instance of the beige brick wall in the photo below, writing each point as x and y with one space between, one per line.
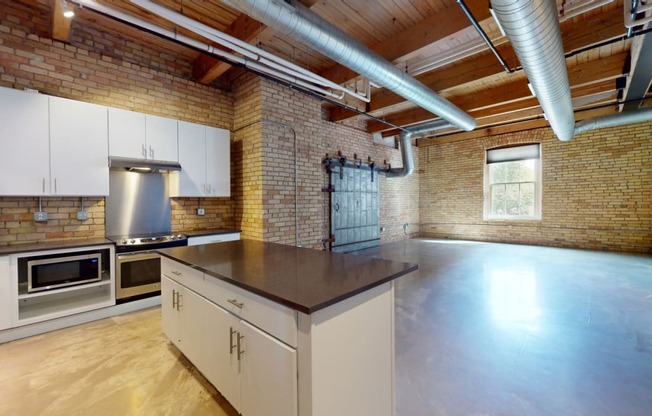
99 68
17 225
286 112
597 190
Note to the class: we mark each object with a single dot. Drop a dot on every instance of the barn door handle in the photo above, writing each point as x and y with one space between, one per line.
337 206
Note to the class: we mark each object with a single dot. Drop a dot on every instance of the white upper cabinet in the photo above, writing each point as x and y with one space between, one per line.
142 136
218 162
204 155
127 134
161 138
24 140
78 148
191 180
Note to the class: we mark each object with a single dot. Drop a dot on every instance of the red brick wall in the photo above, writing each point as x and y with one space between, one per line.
597 191
100 68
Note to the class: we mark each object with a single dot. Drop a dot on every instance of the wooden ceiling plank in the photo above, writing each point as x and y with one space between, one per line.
483 65
424 33
585 78
206 69
60 24
527 125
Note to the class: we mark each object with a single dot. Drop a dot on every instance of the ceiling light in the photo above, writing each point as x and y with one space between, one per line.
68 12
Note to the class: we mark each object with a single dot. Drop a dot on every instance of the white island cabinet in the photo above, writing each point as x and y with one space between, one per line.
280 330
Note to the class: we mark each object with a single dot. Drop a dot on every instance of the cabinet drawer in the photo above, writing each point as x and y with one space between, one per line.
213 238
277 320
187 276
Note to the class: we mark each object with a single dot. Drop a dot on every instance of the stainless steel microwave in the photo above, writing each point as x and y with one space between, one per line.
61 271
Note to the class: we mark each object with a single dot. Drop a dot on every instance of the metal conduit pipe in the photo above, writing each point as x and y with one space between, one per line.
293 19
630 117
532 27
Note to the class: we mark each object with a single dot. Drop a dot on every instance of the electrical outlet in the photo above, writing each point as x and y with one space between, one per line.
40 216
82 215
200 211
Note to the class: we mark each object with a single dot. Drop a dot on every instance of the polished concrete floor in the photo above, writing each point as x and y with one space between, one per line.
482 329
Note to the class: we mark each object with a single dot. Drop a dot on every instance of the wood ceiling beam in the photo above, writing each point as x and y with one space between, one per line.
527 125
424 33
576 36
580 75
207 69
60 24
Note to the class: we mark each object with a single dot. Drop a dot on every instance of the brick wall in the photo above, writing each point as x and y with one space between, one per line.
100 68
597 190
17 225
286 113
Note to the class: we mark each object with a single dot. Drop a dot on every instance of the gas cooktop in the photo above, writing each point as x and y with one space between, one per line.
136 243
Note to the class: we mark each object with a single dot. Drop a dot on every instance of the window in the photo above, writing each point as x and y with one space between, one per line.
513 183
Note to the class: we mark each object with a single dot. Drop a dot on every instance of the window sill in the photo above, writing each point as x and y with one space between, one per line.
512 219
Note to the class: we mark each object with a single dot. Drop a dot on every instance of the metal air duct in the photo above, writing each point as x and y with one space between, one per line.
293 19
630 117
532 27
406 147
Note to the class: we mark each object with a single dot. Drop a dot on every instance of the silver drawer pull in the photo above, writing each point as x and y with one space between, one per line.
176 273
235 303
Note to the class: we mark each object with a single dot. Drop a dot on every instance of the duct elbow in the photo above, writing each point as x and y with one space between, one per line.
406 156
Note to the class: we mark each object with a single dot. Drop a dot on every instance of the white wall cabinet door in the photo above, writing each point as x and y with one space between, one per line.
79 148
268 378
127 134
218 162
191 180
24 140
221 366
161 137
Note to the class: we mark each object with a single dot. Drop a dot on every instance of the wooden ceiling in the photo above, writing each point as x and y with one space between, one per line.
434 41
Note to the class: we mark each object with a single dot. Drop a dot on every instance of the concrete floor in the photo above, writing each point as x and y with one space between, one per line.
482 329
497 329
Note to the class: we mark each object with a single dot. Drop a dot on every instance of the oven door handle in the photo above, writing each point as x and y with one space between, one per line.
125 257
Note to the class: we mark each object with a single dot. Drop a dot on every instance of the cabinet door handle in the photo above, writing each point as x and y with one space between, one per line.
151 152
55 185
240 350
235 303
43 185
174 299
179 299
143 150
232 332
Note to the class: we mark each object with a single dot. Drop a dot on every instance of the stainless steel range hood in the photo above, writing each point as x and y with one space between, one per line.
142 164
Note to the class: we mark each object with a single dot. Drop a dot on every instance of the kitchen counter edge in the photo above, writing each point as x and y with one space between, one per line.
293 305
52 245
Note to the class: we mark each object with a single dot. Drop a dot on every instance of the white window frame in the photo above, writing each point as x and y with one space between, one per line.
487 209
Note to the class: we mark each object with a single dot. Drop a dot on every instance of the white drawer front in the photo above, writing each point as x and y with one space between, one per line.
271 317
187 276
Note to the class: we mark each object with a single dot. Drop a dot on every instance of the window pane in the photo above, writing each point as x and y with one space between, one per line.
498 200
511 199
509 172
526 203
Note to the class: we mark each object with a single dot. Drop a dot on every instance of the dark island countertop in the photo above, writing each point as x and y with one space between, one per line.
52 245
303 279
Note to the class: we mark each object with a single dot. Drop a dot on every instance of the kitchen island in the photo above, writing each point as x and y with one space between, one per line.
281 330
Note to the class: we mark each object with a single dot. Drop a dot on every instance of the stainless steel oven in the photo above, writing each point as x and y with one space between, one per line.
137 274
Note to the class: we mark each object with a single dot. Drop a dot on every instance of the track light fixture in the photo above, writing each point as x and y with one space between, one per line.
68 12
